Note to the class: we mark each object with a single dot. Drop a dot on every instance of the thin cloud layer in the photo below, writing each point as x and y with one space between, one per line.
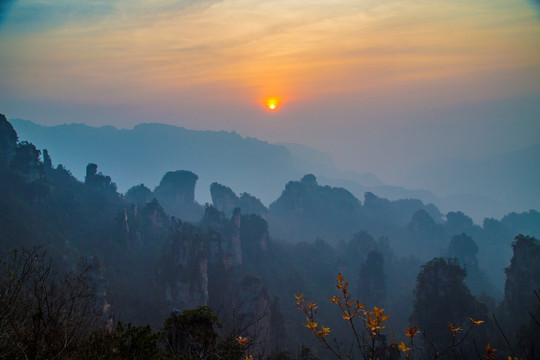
536 5
262 46
342 69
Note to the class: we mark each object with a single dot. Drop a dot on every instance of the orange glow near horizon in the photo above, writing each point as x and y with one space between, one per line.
243 52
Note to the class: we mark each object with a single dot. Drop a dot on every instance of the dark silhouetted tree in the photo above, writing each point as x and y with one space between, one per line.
519 312
426 236
139 194
43 314
442 298
8 141
192 334
372 284
47 162
457 222
124 342
98 180
464 249
522 280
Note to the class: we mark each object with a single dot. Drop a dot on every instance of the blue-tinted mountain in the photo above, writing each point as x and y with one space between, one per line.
488 186
146 152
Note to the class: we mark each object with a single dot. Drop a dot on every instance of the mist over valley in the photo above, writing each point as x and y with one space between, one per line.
156 252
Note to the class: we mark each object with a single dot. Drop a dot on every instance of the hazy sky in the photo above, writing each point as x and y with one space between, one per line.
378 84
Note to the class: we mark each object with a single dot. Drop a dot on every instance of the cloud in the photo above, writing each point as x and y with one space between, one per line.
32 15
536 5
127 50
5 6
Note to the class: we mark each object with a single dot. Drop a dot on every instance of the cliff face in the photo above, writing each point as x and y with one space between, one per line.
425 235
252 205
235 246
441 297
522 281
225 200
139 195
186 277
149 262
180 184
176 193
397 212
254 236
99 283
20 165
200 258
8 141
257 315
26 162
306 210
205 265
98 180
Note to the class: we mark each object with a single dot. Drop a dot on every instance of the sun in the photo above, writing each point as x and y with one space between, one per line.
272 103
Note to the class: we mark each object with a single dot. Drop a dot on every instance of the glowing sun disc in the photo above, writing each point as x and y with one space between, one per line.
272 104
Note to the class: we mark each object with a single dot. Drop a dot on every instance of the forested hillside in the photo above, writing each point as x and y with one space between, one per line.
255 166
157 257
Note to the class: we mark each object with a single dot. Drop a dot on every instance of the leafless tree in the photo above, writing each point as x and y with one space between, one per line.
44 313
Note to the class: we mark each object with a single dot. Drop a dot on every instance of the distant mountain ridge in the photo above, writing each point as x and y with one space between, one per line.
503 182
143 154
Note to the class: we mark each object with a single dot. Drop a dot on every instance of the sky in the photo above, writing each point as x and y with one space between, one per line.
382 86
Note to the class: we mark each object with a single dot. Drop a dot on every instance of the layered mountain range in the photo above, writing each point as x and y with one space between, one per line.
156 250
482 187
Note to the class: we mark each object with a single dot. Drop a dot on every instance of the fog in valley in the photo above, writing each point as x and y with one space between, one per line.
148 251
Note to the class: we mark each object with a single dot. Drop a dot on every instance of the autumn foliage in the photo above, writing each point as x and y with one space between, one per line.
370 339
